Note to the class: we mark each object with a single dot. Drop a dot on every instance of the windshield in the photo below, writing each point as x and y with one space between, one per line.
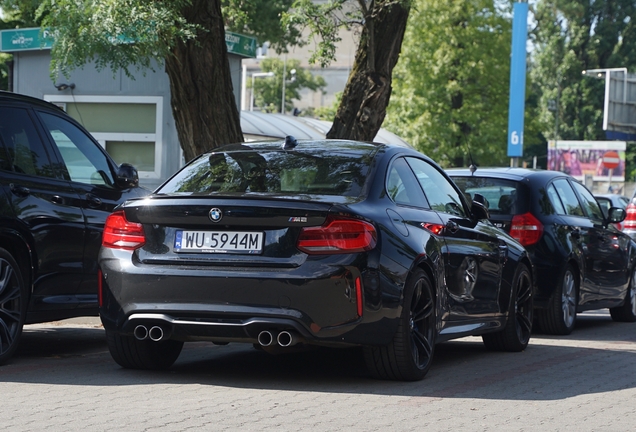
340 172
500 194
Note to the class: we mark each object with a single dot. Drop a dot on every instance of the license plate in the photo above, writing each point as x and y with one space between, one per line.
219 242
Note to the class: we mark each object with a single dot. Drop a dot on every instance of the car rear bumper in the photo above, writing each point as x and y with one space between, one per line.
317 303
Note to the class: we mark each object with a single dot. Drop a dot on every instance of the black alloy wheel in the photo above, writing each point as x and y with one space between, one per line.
560 316
409 356
627 311
516 334
13 305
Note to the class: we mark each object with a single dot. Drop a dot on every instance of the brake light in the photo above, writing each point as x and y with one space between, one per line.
119 233
630 219
338 235
526 229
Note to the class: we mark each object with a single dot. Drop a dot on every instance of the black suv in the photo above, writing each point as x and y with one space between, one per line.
57 186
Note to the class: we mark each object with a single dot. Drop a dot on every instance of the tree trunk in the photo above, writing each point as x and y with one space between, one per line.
366 95
203 103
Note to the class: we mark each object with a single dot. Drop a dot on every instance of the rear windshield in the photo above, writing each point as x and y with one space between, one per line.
309 172
500 194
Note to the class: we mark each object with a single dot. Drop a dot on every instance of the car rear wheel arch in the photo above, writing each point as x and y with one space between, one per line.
15 244
552 320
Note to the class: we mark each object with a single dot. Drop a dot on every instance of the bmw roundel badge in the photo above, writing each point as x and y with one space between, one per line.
215 214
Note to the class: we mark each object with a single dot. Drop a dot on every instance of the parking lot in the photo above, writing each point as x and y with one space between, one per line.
63 379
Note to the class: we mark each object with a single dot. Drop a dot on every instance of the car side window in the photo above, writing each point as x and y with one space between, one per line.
83 160
26 152
590 205
605 205
5 162
555 200
402 186
440 193
568 198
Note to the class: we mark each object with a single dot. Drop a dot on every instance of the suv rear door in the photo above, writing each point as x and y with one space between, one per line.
91 174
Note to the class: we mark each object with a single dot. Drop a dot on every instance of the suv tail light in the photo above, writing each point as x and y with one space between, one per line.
630 219
119 233
526 229
337 235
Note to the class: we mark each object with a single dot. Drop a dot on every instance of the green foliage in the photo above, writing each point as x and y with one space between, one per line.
102 31
268 91
451 84
4 70
20 13
327 112
323 20
262 19
570 37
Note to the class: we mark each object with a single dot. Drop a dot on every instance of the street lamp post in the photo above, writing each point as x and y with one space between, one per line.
257 75
607 72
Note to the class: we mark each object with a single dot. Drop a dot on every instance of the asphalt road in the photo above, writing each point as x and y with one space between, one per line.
63 379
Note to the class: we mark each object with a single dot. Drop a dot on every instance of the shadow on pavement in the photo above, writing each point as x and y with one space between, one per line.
552 368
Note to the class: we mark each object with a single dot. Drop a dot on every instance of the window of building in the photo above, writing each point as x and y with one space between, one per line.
128 127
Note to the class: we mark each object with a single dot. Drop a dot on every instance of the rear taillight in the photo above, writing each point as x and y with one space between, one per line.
119 233
630 219
526 229
337 235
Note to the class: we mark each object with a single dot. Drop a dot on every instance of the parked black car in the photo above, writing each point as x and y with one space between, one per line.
334 243
57 186
582 261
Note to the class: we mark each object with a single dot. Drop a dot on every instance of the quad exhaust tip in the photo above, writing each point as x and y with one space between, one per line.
155 333
284 338
141 332
265 338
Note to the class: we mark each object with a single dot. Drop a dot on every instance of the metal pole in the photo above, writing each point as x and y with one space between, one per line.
252 95
243 87
282 105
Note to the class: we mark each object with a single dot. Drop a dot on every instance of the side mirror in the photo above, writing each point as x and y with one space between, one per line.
616 214
479 198
479 210
127 176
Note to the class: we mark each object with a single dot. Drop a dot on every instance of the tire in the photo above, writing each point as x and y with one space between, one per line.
13 305
627 312
560 316
516 334
408 357
131 353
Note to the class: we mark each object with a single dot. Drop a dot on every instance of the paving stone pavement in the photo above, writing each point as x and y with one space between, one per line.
63 379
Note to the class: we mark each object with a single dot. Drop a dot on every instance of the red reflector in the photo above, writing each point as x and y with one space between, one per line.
630 219
434 228
359 296
119 233
337 235
100 298
526 229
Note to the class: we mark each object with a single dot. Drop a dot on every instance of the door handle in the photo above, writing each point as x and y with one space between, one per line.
19 190
452 226
93 201
56 199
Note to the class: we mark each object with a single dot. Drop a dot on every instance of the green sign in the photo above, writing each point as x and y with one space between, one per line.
25 39
240 44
